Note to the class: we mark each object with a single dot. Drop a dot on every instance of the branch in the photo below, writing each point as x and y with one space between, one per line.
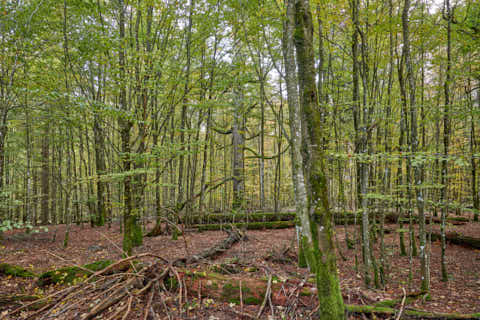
258 156
208 188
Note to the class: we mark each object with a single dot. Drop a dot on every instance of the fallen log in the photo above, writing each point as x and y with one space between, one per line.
458 239
384 312
234 235
264 217
256 217
248 226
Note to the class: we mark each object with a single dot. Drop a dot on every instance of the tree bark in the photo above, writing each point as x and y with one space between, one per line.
125 125
425 283
317 241
446 141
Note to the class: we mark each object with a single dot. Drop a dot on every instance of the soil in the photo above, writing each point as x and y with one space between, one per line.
44 251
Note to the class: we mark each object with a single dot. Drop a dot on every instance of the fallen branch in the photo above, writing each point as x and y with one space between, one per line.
12 299
267 296
407 314
402 305
234 235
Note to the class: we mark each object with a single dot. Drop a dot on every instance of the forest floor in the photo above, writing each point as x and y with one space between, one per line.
273 250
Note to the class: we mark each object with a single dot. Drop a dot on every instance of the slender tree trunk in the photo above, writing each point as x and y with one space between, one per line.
45 175
183 120
100 170
414 147
473 145
295 122
446 139
318 242
238 139
125 125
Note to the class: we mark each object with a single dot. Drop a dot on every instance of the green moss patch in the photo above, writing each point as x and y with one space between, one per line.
15 271
67 275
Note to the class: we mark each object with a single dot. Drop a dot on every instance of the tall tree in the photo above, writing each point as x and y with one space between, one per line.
317 240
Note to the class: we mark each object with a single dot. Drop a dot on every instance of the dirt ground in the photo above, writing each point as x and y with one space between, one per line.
45 251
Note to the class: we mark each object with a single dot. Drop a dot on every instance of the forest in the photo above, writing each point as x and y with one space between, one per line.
239 159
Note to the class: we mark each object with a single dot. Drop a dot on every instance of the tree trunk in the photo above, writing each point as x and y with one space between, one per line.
45 175
317 242
414 148
100 170
238 139
446 140
295 122
125 125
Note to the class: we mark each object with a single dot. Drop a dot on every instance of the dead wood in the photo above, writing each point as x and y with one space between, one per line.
234 235
12 299
409 314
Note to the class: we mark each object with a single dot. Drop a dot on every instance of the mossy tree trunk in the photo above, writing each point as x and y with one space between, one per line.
130 219
295 123
238 137
446 141
317 241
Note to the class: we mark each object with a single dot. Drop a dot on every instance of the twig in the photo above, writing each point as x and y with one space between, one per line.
267 294
110 267
160 277
200 292
149 303
163 302
114 244
402 305
179 286
42 299
243 314
128 309
241 297
116 313
314 310
186 296
70 261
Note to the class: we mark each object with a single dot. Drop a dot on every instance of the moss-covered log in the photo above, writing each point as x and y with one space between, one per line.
256 217
226 288
15 271
340 217
248 226
384 312
68 275
459 239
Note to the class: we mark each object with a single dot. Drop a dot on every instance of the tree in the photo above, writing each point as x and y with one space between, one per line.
317 242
